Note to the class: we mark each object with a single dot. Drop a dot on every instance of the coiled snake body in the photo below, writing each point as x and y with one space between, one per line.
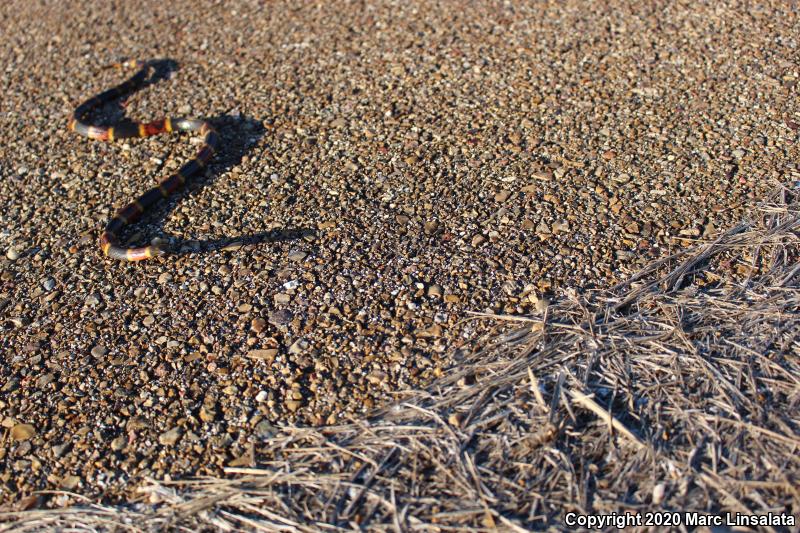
109 241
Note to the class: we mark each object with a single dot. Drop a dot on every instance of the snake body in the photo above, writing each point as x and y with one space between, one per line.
109 241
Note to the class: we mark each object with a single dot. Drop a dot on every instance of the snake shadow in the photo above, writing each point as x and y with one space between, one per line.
238 136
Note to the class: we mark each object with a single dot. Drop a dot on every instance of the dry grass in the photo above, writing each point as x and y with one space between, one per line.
679 390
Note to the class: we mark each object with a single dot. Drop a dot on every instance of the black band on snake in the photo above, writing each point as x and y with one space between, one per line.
109 241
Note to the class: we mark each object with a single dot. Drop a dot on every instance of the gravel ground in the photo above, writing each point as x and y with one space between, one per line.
385 169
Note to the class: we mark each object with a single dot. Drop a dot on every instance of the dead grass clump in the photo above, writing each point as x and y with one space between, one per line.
659 395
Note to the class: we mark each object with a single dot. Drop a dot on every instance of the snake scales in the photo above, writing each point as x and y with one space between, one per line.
110 242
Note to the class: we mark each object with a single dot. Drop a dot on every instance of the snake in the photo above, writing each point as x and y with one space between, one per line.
110 242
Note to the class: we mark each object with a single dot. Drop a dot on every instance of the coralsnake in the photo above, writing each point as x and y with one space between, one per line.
110 241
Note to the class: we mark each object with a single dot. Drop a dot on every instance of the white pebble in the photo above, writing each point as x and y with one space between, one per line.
658 493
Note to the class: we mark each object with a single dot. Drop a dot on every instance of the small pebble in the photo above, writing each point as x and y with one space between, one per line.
258 325
119 443
99 351
502 196
299 346
297 255
435 291
658 494
281 317
70 482
168 438
22 432
293 405
266 354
